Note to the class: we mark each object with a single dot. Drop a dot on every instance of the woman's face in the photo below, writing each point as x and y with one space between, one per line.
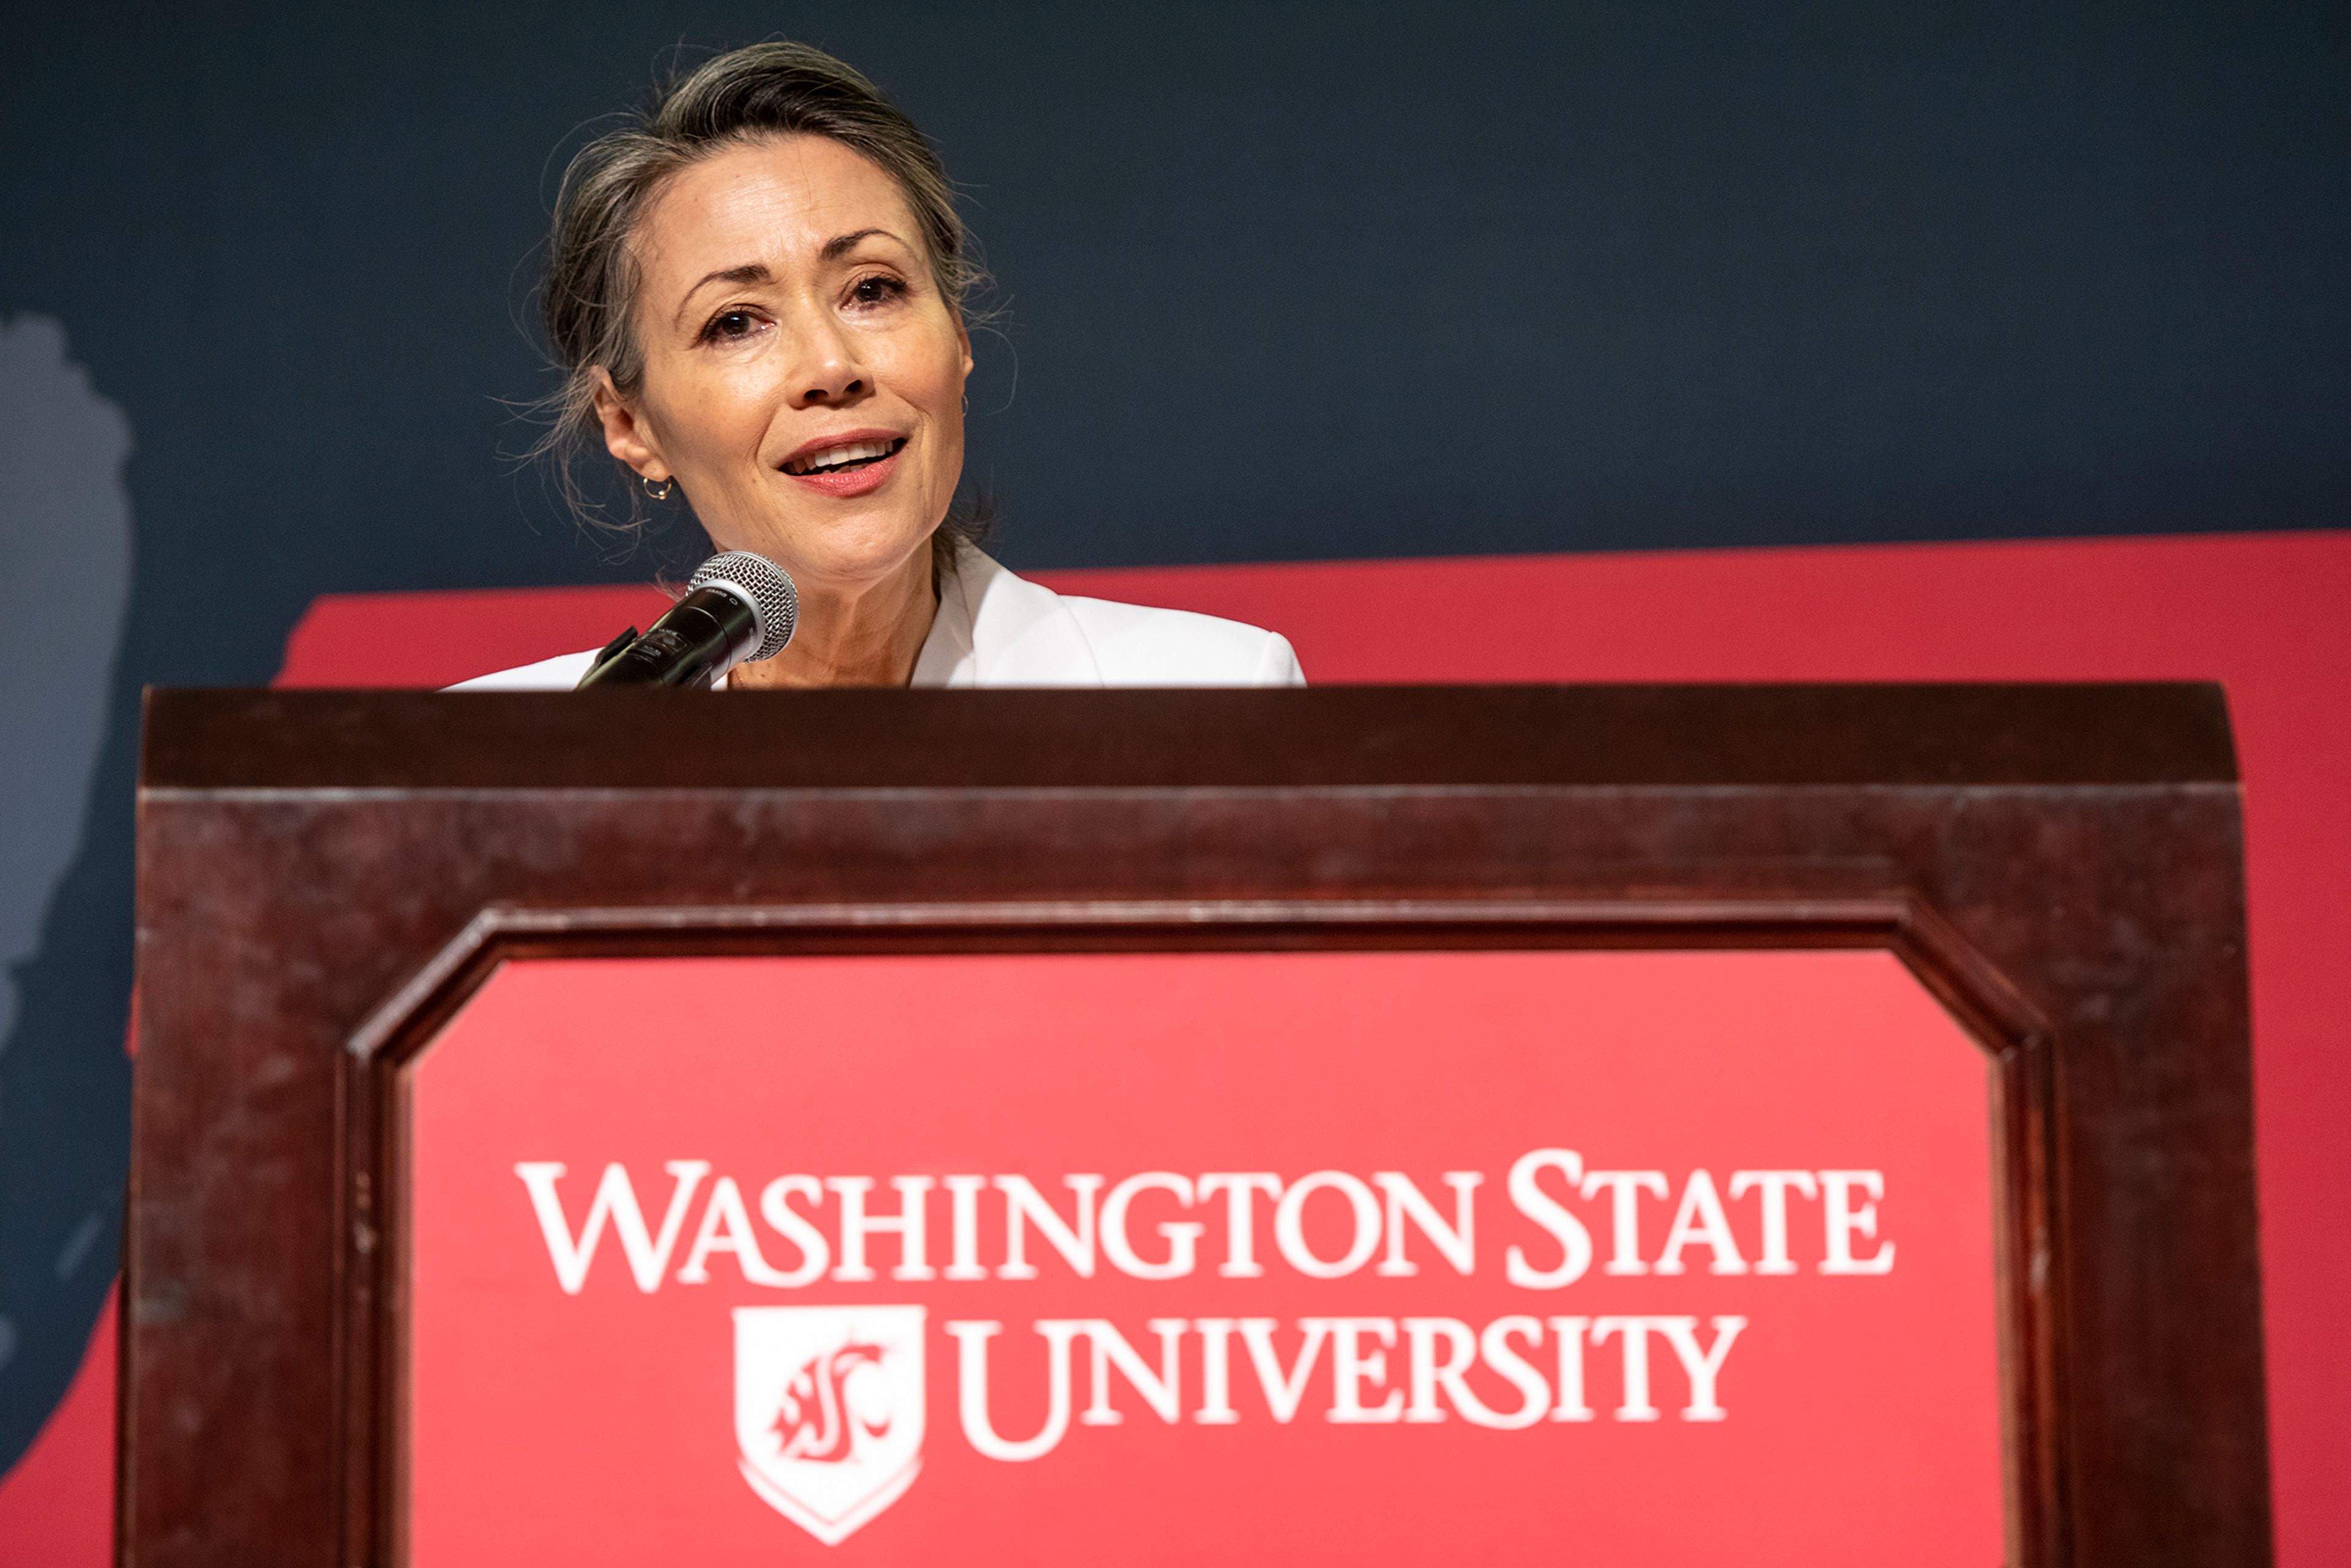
804 376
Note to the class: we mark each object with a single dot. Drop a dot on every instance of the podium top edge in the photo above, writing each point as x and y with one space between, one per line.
1336 736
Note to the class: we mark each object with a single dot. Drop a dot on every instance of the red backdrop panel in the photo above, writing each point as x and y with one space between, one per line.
636 1414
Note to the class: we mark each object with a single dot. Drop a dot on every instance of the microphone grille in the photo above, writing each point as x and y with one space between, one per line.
767 585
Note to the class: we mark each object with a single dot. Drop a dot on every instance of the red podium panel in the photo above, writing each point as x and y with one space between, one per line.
1310 1258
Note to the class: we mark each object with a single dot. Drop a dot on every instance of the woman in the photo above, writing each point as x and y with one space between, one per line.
756 291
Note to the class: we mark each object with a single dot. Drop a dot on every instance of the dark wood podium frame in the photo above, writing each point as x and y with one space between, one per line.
324 877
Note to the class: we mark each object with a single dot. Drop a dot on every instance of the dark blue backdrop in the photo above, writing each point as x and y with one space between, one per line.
1281 282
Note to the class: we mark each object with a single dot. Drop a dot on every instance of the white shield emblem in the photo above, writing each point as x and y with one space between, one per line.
828 1410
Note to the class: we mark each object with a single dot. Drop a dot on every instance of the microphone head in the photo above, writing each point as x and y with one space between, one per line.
766 586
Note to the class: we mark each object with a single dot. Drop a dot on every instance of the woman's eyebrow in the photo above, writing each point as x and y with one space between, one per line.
839 245
749 272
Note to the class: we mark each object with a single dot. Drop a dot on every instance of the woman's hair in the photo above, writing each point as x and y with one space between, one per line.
589 290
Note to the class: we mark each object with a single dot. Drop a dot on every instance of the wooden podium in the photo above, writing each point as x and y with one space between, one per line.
327 882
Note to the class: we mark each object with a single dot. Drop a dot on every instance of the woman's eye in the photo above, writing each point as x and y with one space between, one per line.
879 289
731 326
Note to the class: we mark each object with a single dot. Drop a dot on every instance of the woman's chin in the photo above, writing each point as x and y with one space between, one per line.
851 554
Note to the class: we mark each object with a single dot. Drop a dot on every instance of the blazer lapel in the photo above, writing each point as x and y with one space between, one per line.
1020 634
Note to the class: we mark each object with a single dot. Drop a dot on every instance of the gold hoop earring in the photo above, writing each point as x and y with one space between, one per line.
658 489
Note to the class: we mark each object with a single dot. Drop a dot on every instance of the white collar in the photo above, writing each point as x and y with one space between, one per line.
995 629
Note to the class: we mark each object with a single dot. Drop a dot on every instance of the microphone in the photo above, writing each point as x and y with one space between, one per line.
738 607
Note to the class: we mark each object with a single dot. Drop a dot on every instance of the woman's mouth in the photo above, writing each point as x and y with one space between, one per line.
849 468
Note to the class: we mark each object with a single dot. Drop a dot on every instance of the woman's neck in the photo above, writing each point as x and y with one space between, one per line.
863 634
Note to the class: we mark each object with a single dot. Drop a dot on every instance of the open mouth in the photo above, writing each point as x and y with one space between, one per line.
843 458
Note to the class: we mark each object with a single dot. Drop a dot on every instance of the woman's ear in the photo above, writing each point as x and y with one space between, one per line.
963 337
626 435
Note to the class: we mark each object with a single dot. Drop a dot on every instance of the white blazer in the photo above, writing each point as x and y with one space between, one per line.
994 629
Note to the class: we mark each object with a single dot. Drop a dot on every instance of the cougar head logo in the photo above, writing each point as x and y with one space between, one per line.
815 1421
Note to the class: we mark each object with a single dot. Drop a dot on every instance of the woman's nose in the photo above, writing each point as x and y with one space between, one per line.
827 371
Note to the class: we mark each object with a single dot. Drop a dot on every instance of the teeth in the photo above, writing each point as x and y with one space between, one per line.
836 456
